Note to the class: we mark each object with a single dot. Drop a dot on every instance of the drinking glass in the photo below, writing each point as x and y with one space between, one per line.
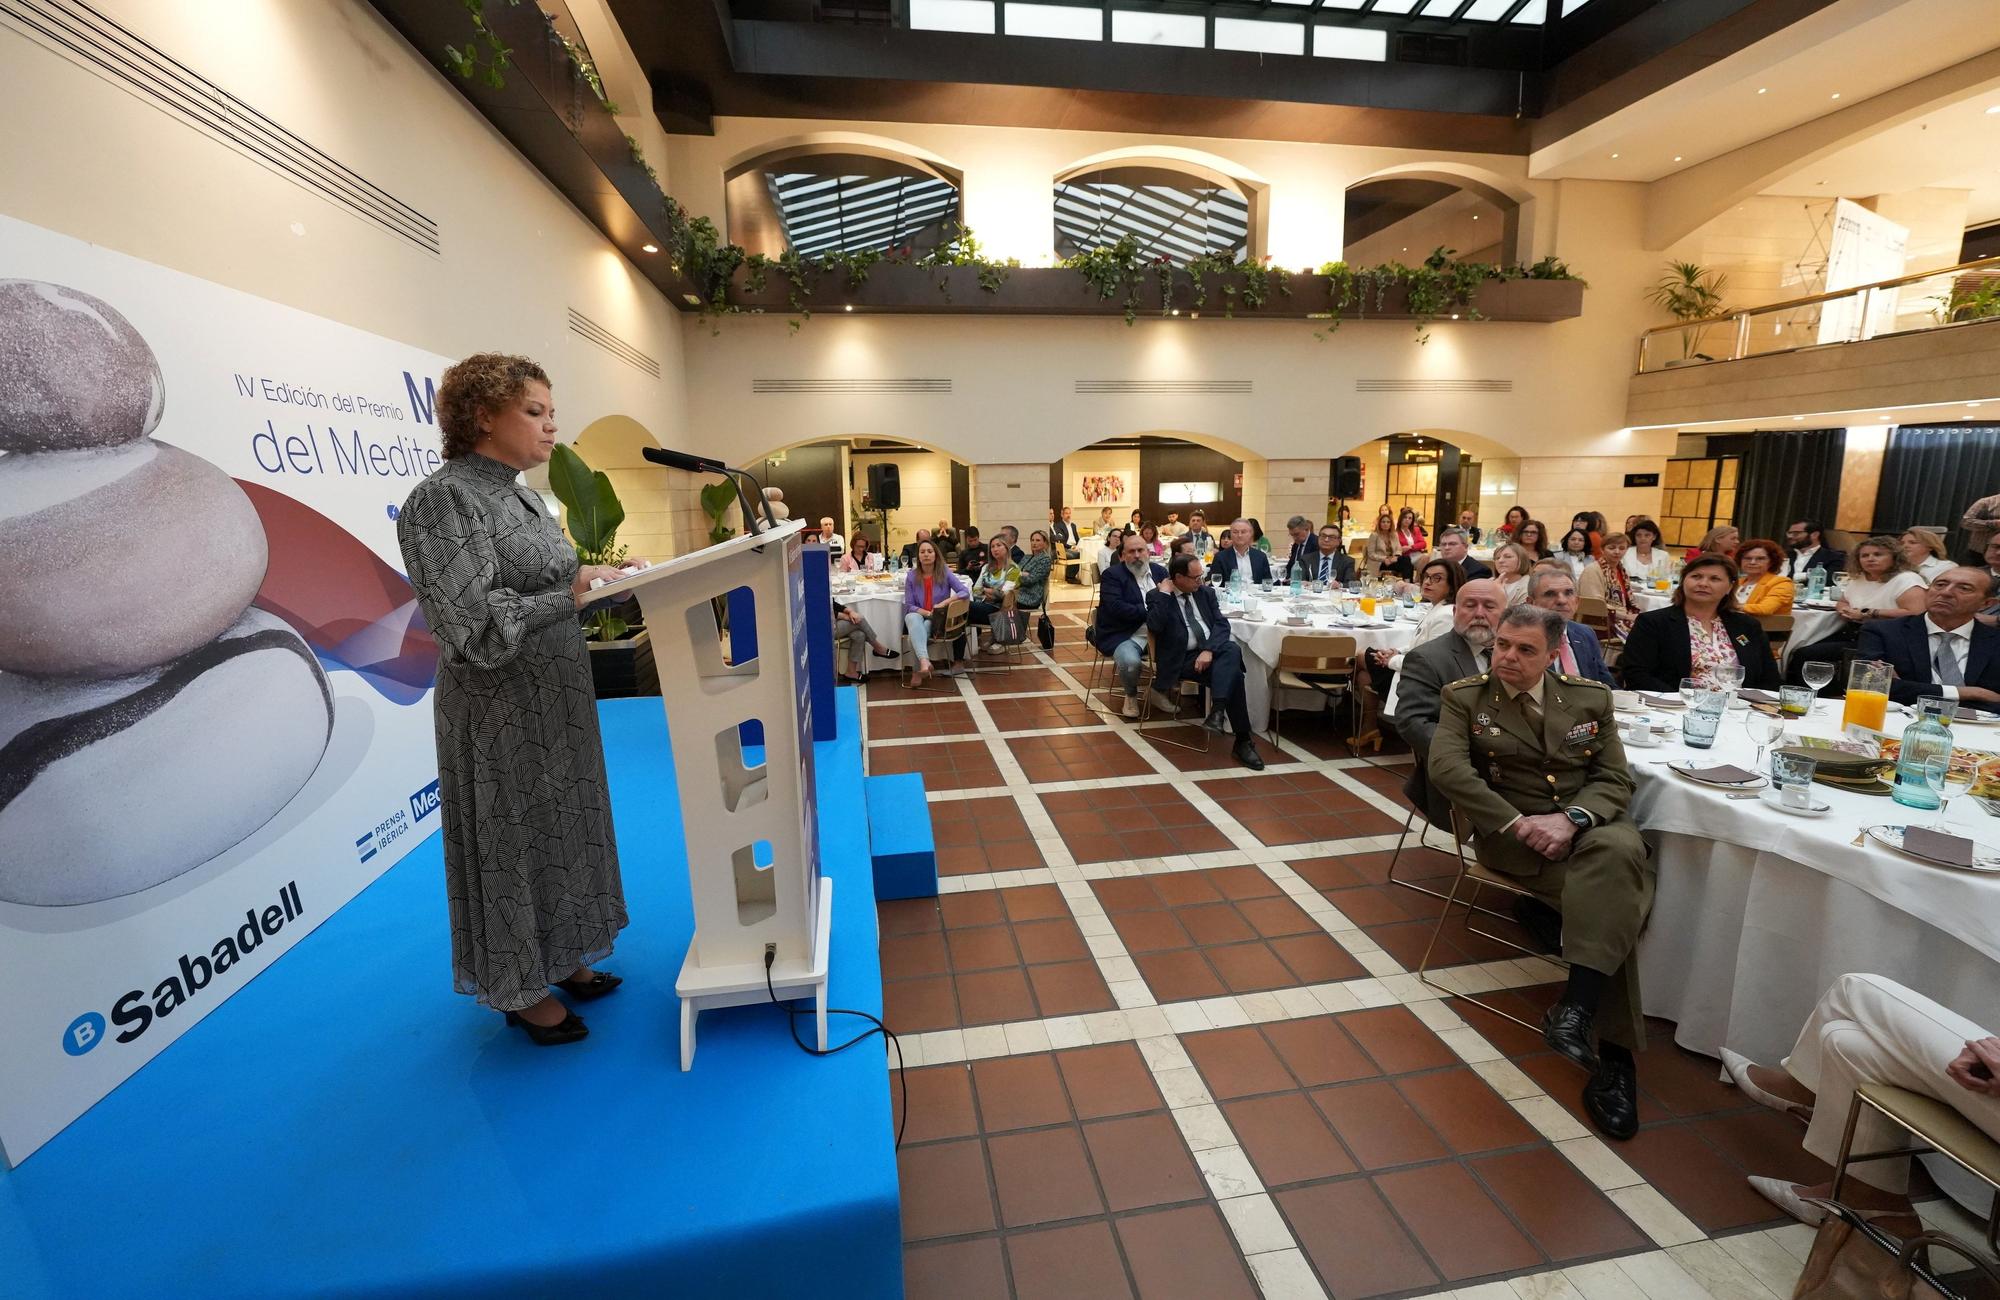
1791 776
1935 770
1795 701
1955 783
1818 675
1704 718
1765 730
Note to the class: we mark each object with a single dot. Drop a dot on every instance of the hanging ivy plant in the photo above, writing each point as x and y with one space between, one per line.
484 55
963 249
1115 271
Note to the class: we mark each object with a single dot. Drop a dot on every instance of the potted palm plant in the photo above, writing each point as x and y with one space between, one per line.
1689 292
621 653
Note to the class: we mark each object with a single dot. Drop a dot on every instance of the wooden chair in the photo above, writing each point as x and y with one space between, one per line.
1778 631
1150 675
1472 878
1936 1126
1312 663
942 632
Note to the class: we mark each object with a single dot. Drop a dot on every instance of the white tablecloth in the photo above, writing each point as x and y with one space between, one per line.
881 608
1643 601
1809 626
1090 554
1758 910
1263 640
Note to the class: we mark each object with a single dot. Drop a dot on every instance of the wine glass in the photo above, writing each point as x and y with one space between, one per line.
1934 771
1818 675
1766 731
1955 782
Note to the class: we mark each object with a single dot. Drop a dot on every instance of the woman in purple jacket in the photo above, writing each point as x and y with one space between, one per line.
929 584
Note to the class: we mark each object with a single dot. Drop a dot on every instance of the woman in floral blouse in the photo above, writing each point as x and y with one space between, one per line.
1700 632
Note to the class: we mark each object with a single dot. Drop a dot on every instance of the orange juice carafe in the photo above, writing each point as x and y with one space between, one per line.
1368 606
1867 695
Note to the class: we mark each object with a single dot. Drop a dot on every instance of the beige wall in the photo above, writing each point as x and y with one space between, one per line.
1010 494
1553 489
925 478
1295 487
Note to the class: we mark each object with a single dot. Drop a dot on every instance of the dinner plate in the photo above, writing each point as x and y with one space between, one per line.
1984 859
1686 767
1975 718
1816 809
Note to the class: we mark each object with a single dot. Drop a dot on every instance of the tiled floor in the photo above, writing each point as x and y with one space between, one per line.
1164 1039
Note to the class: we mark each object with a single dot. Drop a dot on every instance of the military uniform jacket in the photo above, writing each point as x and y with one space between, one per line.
1492 765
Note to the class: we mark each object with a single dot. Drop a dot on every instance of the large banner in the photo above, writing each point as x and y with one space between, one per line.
215 723
1862 248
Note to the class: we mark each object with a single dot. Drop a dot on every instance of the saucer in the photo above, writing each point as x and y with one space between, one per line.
1816 809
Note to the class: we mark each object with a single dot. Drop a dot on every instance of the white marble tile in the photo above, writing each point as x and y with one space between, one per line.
1186 1017
943 1046
1767 1261
1183 1088
1107 1026
1379 963
1486 1291
1118 968
1549 1118
1299 1003
1092 924
1224 1012
1256 1224
1077 892
1147 1021
1204 1127
1661 1278
1131 994
1553 1285
982 1041
1720 1274
1655 1215
1105 946
1370 993
1595 1160
1411 991
1285 1275
1262 1008
907 1052
1795 1238
1164 1053
1067 1031
1603 1280
1228 1172
1435 1015
1470 1046
1025 1036
1336 999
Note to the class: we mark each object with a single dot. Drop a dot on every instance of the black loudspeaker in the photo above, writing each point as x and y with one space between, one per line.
1347 477
885 485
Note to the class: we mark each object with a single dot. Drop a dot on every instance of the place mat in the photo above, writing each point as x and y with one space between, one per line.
1953 850
1663 701
1756 696
1721 774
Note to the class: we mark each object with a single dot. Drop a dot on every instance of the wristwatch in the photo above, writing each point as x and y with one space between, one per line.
1578 816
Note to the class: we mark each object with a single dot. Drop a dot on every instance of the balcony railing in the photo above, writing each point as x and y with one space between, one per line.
1944 299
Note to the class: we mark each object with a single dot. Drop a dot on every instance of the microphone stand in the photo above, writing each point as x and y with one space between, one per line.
706 465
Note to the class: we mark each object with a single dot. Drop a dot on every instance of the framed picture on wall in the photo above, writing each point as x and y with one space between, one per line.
1118 488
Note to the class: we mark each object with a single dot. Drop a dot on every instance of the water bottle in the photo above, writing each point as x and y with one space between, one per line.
1925 740
1815 583
1236 583
1298 580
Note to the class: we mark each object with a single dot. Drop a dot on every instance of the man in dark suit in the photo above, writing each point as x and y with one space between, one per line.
1426 670
1943 651
1242 553
1807 543
1305 548
910 548
1065 534
1328 562
1120 627
945 536
1581 654
1451 545
970 553
1191 642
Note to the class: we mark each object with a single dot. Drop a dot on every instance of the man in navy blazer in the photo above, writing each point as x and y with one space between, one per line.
1191 642
1553 588
1119 629
1242 553
1944 650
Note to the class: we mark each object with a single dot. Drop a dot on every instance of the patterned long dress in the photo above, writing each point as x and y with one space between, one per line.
531 867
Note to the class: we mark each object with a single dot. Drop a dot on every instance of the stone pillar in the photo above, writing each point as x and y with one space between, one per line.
1010 494
1296 487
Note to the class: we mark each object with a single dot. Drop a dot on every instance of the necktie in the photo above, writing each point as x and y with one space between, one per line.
1197 630
1944 664
1532 709
1568 657
1325 567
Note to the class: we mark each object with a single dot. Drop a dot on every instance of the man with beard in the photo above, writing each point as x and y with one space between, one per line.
1459 653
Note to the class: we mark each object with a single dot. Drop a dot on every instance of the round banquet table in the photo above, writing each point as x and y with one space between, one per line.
1810 624
1263 637
1090 555
1757 911
1651 600
880 604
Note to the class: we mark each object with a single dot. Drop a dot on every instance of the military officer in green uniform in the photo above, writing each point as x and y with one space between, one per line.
1531 759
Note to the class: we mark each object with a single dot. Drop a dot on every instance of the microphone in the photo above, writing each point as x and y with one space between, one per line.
682 460
749 501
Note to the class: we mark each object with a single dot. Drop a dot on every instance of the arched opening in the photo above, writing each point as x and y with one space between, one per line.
1165 477
1439 473
843 479
850 197
613 444
1175 209
1404 215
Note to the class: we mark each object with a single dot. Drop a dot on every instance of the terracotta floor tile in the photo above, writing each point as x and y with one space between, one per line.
985 948
1318 1052
1706 1187
1150 931
1034 903
1378 1126
1186 888
1220 753
963 911
1353 1240
1069 988
1764 1143
1316 959
906 721
913 1006
1564 1081
1565 1215
1019 1092
962 859
907 955
1456 1222
1367 905
1465 1111
1287 1139
991 997
944 1190
1108 1080
1242 882
1141 1160
1276 917
1396 1040
1178 976
1249 967
1330 873
1237 1062
1515 1040
1076 1262
1013 855
1125 894
1685 1082
1016 680
1046 941
940 1104
955 1270
1184 1253
1215 923
1042 1177
907 915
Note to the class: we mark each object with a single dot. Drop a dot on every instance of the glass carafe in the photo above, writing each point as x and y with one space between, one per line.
1867 695
1925 741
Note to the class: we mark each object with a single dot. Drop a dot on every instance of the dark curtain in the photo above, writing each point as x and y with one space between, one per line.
1931 473
1794 474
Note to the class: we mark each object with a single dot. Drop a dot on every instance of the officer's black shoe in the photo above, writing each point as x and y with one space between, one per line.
1218 720
1246 754
1566 1029
1543 923
1611 1098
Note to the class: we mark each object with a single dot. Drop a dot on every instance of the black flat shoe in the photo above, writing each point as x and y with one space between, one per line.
599 983
570 1030
1566 1029
1611 1099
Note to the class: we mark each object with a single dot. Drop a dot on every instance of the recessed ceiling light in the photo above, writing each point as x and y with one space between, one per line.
1993 110
1475 216
649 248
1799 417
1972 406
1614 155
1763 90
850 306
1677 157
1836 94
1454 316
1177 311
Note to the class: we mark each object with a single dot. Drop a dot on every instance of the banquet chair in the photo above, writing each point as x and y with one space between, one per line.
943 632
1472 878
1324 664
1434 812
1777 630
1935 1125
1187 687
1003 656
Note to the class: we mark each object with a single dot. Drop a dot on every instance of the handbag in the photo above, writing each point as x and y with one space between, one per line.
1852 1259
1009 626
1045 632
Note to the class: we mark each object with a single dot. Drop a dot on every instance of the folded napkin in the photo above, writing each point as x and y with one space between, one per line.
1663 701
1758 697
1936 845
1727 773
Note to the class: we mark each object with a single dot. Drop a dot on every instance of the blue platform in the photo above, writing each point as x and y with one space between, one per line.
348 1126
899 838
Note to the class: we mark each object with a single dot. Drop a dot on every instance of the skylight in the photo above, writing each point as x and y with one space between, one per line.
1178 217
822 213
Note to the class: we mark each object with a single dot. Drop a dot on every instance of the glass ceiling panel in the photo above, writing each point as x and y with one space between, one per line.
823 213
1178 222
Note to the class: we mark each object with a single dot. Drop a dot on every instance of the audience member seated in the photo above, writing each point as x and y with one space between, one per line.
1992 571
1033 592
1923 553
1591 525
972 554
1606 580
1576 551
1647 561
997 579
861 557
1722 540
1242 553
1763 587
1438 582
1191 642
1013 536
1534 537
1699 632
1328 561
1580 654
1378 555
835 543
849 627
1154 546
1173 527
1516 516
1304 547
926 587
1945 650
1180 544
1258 539
1551 815
1198 532
1877 586
1427 669
1064 531
1468 523
1867 1029
1119 629
1511 562
945 537
1809 551
1412 543
909 556
1454 544
1104 523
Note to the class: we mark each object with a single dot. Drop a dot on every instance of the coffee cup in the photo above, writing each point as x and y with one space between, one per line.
1639 733
1624 699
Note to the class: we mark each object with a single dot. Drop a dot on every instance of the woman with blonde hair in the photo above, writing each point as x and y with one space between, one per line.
1512 563
1923 553
1382 549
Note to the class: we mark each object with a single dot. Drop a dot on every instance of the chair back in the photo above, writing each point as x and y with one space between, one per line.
1777 628
1593 613
1316 656
956 611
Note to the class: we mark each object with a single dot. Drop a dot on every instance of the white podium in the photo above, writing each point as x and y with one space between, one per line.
752 829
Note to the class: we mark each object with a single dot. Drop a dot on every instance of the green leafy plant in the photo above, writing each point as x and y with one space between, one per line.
716 499
963 249
484 55
1114 271
1969 300
592 513
1688 292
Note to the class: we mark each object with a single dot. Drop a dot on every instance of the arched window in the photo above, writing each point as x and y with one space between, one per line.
816 201
1173 213
1402 218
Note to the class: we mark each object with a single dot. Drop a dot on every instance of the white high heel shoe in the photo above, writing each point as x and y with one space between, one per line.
1739 1074
1786 1197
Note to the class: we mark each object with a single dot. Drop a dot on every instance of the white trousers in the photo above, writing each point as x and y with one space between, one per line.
1867 1029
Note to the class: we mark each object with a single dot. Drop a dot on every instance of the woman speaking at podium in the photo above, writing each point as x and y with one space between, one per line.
531 867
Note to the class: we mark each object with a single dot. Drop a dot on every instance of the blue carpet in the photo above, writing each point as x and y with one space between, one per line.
346 1125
